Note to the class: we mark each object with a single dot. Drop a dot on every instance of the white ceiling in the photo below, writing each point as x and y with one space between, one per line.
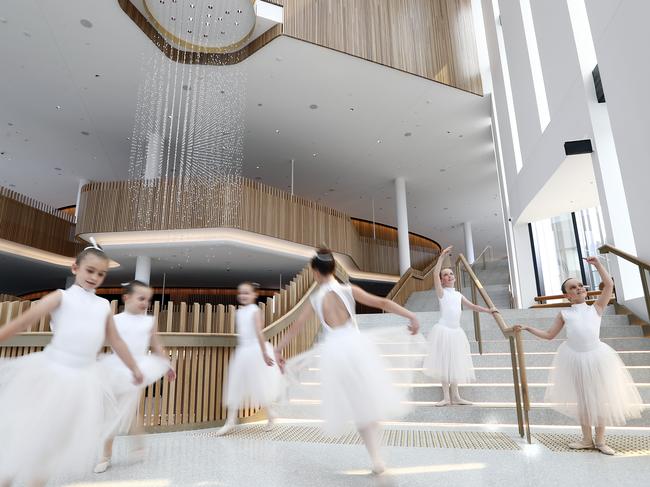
50 59
571 188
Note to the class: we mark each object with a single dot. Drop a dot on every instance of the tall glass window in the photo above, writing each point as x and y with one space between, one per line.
560 243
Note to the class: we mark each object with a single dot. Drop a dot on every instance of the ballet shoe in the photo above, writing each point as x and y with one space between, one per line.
270 423
444 402
459 401
581 445
225 429
102 466
604 448
378 468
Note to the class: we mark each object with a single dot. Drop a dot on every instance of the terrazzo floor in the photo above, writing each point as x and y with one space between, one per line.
191 459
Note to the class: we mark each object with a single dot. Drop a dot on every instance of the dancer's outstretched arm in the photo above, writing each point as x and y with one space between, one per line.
293 330
436 271
608 285
43 307
386 305
159 350
549 334
475 307
120 348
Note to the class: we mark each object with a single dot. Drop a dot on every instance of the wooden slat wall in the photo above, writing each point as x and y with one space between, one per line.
117 206
430 38
29 222
200 341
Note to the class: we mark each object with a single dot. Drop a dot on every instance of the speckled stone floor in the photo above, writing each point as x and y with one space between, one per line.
190 459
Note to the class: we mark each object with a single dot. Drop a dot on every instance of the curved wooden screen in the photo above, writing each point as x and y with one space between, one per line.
433 39
26 221
124 206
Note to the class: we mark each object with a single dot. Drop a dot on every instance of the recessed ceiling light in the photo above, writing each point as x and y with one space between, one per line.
10 124
460 136
260 104
443 170
407 134
84 132
58 107
86 23
379 141
3 20
313 106
187 88
257 167
57 169
26 34
351 109
314 154
173 18
445 208
277 131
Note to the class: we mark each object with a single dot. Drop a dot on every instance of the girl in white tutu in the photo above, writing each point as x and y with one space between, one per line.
52 402
449 359
355 384
253 376
589 381
138 330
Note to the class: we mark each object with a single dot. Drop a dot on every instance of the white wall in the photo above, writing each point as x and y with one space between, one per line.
618 27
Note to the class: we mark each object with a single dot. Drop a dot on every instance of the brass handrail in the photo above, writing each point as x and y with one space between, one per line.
642 265
517 356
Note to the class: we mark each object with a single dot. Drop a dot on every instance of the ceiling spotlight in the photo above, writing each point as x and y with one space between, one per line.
379 141
58 107
227 12
86 23
315 154
277 131
408 134
84 132
260 104
173 18
313 106
210 7
189 31
239 11
190 19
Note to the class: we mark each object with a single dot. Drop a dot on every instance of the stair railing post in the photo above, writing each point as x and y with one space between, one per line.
515 380
524 382
477 321
646 290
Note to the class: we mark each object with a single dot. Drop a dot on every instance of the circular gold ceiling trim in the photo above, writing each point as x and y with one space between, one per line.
191 46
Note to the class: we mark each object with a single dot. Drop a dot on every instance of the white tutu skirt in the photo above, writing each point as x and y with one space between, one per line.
449 356
50 417
126 394
355 384
592 387
250 381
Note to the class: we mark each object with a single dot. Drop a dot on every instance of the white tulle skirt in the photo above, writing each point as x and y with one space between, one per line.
126 395
449 356
51 417
355 384
250 381
592 387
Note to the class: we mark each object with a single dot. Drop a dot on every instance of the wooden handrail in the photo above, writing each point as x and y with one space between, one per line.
643 267
608 249
517 355
412 280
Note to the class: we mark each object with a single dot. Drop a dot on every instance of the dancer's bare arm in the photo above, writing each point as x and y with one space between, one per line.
436 271
549 334
42 308
386 305
608 285
259 327
119 347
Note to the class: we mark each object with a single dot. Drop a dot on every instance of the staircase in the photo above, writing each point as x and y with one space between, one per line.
493 393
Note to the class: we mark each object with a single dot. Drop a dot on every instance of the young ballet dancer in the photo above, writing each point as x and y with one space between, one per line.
449 359
589 381
253 377
138 330
354 382
52 402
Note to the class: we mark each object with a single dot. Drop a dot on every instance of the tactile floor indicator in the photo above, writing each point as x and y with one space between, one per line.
624 445
416 438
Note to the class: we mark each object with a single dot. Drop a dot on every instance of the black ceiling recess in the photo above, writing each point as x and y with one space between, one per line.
574 147
598 84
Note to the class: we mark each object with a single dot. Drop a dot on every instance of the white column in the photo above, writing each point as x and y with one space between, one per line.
154 156
469 242
143 268
76 208
402 226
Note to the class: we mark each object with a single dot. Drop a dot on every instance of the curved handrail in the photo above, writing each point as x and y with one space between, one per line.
408 279
609 249
644 269
520 380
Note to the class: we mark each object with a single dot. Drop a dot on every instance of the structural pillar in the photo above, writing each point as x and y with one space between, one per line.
469 242
402 226
76 208
143 269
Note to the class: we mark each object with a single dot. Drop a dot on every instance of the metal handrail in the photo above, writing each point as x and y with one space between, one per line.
517 356
487 250
642 265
